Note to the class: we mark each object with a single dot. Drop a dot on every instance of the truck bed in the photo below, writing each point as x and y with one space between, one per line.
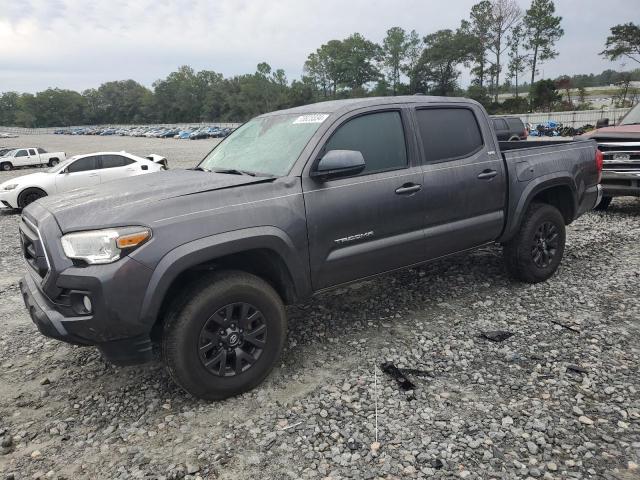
531 163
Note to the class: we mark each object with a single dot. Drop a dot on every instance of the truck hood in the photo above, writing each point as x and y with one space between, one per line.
140 199
621 132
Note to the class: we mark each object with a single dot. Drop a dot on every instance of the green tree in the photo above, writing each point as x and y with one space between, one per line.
395 47
504 16
445 50
480 25
624 41
517 58
359 58
542 30
9 108
544 95
414 52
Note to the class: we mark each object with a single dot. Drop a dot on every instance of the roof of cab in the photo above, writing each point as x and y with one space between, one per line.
343 106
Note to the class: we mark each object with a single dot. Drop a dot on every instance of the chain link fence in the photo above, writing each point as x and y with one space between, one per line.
575 119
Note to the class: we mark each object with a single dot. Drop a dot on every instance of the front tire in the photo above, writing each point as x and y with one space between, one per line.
29 196
536 251
6 166
224 335
604 204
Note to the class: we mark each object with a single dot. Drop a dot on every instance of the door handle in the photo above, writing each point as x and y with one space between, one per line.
408 189
487 174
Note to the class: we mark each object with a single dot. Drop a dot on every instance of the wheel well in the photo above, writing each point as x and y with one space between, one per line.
29 189
561 198
264 263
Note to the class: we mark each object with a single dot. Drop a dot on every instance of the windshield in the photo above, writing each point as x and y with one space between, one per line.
632 117
265 145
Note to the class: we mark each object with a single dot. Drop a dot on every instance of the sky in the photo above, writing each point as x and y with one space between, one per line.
79 44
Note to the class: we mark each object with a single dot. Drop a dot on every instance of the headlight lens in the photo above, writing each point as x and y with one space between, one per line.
104 246
11 186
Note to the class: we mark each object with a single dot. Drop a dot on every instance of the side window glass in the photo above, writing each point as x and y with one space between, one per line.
378 136
114 161
21 153
32 151
41 150
82 165
448 133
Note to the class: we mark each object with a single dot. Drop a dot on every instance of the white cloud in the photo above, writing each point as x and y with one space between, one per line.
80 44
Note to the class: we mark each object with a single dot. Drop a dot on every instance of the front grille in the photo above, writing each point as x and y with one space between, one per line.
620 156
32 248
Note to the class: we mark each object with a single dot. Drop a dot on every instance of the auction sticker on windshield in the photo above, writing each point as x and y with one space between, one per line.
314 118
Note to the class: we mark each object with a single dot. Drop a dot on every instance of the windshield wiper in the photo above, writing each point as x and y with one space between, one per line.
200 169
234 171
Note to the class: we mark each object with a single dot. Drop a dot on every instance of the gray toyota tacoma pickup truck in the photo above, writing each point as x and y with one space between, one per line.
202 262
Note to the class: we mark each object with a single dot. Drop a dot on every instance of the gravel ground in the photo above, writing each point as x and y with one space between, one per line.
558 399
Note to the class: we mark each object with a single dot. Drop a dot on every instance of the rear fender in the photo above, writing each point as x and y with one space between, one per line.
532 189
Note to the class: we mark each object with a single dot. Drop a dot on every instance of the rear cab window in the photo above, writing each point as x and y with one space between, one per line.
379 136
448 133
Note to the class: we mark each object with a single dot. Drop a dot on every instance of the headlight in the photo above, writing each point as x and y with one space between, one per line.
11 186
104 246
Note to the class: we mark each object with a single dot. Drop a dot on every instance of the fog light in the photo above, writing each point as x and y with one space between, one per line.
86 301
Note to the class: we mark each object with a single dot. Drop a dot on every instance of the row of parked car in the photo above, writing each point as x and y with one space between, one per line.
189 133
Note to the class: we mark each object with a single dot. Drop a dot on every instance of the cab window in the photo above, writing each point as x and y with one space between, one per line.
448 133
378 136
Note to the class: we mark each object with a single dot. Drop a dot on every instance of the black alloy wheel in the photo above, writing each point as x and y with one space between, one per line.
545 244
232 339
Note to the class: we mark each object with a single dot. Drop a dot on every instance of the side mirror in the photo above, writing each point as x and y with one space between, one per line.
145 167
339 163
603 122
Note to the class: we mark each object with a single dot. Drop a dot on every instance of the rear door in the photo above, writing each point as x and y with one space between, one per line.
464 179
115 166
372 222
78 174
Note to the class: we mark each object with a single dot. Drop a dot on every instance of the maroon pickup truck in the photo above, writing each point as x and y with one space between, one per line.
620 146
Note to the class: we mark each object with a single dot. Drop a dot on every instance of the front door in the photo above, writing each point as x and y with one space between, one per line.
464 179
372 222
78 174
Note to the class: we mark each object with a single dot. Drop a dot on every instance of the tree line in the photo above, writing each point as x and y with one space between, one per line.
502 46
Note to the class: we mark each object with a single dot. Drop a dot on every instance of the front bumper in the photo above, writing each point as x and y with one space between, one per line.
8 199
56 321
54 289
621 183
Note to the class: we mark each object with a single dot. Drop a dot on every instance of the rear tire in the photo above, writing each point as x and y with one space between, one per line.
6 166
604 204
535 253
224 334
53 162
30 195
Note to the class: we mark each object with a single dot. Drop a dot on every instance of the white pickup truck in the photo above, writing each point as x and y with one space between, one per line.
32 156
